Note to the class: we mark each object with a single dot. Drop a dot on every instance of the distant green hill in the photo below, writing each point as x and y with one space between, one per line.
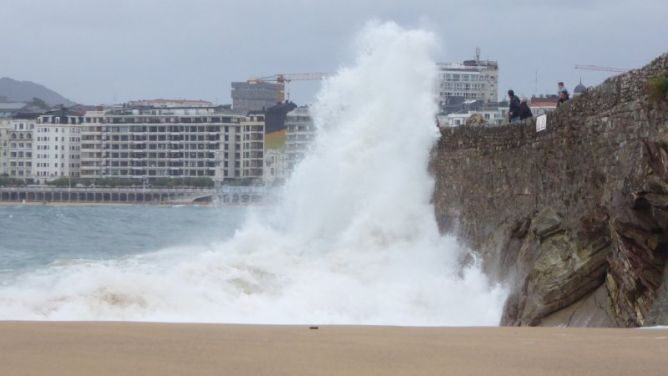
25 91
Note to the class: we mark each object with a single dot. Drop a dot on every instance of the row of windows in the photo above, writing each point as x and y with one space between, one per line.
160 155
467 95
163 137
20 154
461 86
162 120
211 146
55 156
143 173
163 129
22 126
62 165
47 174
62 139
60 120
463 77
55 130
21 136
200 164
21 145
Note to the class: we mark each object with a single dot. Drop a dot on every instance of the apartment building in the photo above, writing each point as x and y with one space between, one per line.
252 145
300 135
56 145
166 142
91 144
16 146
4 145
471 80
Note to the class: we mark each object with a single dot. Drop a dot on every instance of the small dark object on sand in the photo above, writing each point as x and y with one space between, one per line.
313 327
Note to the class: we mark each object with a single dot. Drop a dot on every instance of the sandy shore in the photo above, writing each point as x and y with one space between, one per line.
193 349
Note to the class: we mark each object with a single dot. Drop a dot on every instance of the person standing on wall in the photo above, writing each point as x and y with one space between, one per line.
525 110
563 94
513 107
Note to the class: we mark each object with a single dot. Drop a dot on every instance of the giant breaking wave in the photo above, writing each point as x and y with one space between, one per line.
353 242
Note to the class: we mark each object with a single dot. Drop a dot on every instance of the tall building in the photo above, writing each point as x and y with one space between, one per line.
139 142
146 143
300 136
471 80
56 145
254 96
252 146
4 145
16 146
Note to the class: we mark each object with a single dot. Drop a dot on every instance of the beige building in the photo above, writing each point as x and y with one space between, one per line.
252 146
170 142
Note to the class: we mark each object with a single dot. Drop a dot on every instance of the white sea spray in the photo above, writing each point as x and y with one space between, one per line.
353 242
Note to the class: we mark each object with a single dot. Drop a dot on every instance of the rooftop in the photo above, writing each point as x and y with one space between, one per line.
169 103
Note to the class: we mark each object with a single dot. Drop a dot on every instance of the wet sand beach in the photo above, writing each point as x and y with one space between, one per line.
77 348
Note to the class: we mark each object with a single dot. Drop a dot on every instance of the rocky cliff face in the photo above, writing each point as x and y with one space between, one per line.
573 218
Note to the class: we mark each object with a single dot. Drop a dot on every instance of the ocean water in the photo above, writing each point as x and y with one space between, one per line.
353 241
34 237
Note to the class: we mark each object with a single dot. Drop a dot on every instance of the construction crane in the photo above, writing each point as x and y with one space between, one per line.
600 69
283 78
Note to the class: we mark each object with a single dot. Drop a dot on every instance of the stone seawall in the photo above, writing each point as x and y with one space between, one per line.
574 218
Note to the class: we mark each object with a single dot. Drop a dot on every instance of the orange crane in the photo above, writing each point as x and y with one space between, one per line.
601 69
283 78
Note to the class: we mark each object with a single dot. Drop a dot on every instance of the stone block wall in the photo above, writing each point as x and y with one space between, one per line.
598 176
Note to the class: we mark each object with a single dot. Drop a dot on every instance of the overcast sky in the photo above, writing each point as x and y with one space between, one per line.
106 51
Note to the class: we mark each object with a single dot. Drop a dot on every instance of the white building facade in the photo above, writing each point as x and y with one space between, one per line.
471 80
16 149
496 116
56 146
150 143
4 145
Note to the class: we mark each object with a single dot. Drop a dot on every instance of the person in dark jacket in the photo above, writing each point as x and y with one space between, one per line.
563 93
513 107
525 110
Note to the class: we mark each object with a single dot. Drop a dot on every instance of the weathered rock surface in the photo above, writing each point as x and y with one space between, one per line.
573 218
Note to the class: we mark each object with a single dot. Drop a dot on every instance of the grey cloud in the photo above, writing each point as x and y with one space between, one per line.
101 51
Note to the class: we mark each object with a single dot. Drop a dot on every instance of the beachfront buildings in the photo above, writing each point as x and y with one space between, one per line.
147 142
279 163
16 146
251 156
56 145
300 135
471 80
139 141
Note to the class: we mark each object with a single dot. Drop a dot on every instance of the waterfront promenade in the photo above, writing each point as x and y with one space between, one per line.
132 195
107 195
